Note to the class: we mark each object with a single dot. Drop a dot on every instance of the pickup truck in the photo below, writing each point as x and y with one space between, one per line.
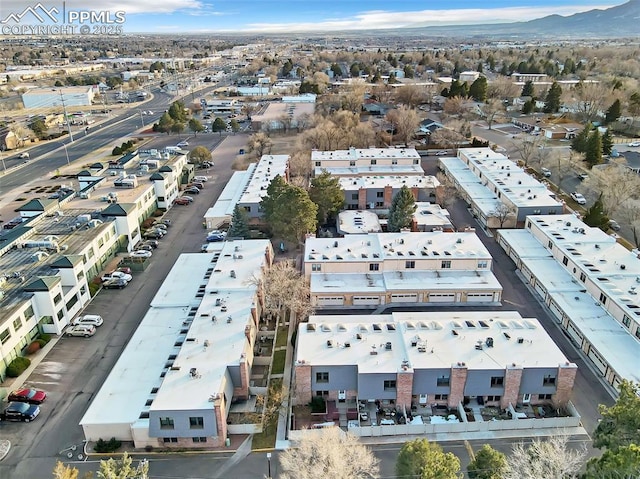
116 274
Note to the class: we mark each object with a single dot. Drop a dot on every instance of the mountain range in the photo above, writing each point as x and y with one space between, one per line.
618 21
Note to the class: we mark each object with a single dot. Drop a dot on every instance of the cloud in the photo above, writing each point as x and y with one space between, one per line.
139 6
420 18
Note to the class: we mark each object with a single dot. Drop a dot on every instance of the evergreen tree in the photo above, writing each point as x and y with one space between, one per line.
614 112
478 89
177 112
239 224
458 88
579 142
620 424
421 459
528 89
218 125
593 155
402 208
165 123
552 101
528 107
607 143
487 464
326 193
595 216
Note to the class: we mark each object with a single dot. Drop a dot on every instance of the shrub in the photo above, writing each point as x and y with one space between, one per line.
112 445
317 405
93 289
18 366
116 151
42 342
45 337
33 347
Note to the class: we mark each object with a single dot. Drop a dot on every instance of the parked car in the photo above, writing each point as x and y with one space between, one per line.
183 143
144 247
206 164
20 411
546 172
192 190
578 198
153 243
583 176
90 319
188 198
116 274
115 283
154 234
634 144
197 184
201 178
181 201
124 269
204 248
141 254
85 330
614 225
159 226
23 156
28 395
216 235
166 222
441 153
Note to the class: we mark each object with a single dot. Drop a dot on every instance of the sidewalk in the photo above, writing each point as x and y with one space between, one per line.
11 384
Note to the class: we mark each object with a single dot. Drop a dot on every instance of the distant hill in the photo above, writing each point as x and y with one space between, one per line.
619 21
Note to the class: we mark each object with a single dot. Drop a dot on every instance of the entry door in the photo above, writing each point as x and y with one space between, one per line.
526 398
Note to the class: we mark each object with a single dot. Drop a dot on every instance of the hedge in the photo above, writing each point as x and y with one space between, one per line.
18 366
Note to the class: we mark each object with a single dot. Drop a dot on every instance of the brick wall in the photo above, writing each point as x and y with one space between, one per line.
564 384
302 384
512 380
362 198
388 196
221 422
458 381
404 388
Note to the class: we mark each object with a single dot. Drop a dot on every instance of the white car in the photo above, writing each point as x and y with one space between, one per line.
183 143
90 319
634 144
117 274
201 179
85 330
578 198
141 253
546 172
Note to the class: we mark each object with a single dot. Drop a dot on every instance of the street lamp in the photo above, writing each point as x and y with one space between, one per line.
66 152
269 464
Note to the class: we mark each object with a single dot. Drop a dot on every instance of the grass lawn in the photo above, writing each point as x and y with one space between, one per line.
267 438
278 362
281 340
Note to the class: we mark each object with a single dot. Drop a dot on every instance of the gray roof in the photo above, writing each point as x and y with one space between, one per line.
67 261
118 209
43 283
37 204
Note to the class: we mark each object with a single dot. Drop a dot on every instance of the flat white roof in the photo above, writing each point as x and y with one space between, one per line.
360 170
358 222
431 214
429 340
385 246
233 190
180 324
364 153
265 171
381 181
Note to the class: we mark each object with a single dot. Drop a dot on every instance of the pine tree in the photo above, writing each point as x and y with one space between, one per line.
595 216
614 112
607 143
527 89
552 101
478 89
579 143
402 208
593 155
325 192
239 224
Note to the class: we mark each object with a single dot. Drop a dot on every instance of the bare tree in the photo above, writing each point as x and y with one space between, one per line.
590 99
491 110
410 95
503 88
448 138
527 148
629 212
285 289
259 143
300 165
616 183
550 458
446 193
363 136
328 453
406 121
123 468
455 106
503 213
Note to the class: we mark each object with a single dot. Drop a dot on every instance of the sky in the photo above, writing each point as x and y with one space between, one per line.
274 16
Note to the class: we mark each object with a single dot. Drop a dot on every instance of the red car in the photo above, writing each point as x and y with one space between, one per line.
29 395
181 201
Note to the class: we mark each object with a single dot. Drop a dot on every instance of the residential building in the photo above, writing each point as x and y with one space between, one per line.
589 282
368 162
191 357
247 190
358 222
431 217
469 76
284 115
443 358
389 268
377 192
500 193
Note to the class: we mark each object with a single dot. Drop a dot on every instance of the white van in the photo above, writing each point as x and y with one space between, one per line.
201 179
88 319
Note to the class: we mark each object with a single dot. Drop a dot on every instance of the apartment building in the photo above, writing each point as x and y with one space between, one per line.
192 355
589 283
445 358
377 192
493 185
368 270
368 162
247 188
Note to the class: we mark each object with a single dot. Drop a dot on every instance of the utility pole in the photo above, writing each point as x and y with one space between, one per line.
66 118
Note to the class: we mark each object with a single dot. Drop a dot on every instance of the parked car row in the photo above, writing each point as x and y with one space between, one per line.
192 188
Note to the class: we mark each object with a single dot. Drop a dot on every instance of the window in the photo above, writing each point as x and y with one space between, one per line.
17 323
374 266
493 398
196 422
352 163
5 335
390 385
637 333
80 275
199 439
354 196
446 264
322 377
28 313
583 277
548 380
394 161
497 381
379 204
100 242
316 267
603 299
160 198
166 423
565 260
416 162
60 314
374 162
58 298
91 254
443 381
544 397
550 245
170 439
379 194
441 397
322 393
483 264
318 164
410 264
247 209
626 320
72 302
